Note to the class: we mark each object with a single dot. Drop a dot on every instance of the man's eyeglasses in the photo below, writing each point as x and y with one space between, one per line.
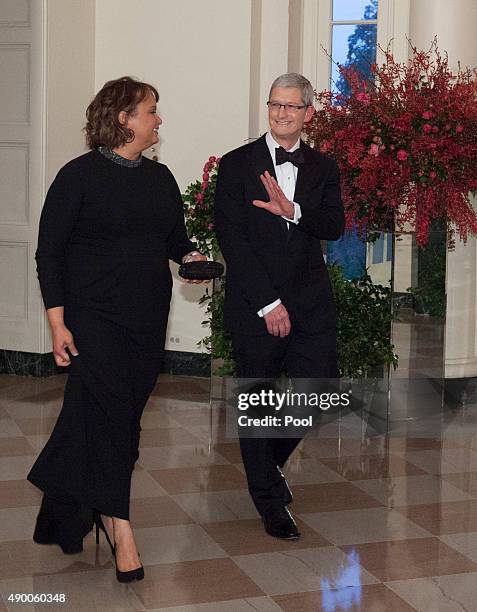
289 108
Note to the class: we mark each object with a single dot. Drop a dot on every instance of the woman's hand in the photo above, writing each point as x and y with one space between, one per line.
62 337
62 340
194 256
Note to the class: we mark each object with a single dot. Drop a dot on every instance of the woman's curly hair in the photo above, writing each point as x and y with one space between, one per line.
102 115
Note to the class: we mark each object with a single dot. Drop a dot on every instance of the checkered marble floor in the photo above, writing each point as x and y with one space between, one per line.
388 520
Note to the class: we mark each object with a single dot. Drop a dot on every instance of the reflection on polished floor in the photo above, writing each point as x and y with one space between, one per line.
388 519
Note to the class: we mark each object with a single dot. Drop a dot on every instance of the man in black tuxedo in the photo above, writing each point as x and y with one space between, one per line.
276 198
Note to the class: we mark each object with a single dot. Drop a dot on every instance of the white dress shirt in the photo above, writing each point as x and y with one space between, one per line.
286 178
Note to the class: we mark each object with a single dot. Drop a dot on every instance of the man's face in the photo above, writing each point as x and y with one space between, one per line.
286 124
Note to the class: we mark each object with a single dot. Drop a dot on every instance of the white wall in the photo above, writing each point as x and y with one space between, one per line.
198 56
70 79
69 87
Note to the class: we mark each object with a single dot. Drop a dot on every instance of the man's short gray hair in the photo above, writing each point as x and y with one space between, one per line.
293 79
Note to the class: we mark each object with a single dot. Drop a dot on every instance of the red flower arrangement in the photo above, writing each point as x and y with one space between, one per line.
199 209
406 144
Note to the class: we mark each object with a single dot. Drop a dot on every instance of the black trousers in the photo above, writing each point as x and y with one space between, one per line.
299 355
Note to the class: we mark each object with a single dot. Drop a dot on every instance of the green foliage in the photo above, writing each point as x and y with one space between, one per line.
364 319
199 209
217 343
363 330
430 294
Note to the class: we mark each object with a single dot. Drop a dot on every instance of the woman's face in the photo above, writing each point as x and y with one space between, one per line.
145 122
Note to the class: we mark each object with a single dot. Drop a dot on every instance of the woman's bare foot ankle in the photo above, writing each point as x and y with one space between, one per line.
108 525
127 557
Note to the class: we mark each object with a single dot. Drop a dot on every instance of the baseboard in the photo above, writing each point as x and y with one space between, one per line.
460 391
21 363
187 364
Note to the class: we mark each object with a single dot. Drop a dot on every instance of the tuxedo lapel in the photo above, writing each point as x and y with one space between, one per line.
307 174
261 160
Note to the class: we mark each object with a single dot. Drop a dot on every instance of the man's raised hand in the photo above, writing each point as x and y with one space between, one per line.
278 204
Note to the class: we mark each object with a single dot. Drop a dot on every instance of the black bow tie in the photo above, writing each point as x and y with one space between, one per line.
295 157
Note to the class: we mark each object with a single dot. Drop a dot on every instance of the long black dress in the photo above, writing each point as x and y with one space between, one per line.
107 231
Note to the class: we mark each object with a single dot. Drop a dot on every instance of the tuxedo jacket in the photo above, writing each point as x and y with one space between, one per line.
265 260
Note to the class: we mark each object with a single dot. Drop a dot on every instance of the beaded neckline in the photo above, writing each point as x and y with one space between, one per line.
118 159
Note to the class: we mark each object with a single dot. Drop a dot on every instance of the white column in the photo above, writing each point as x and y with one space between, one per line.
295 35
461 330
453 22
268 57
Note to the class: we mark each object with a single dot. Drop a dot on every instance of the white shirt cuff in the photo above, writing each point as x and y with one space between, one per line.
266 309
296 215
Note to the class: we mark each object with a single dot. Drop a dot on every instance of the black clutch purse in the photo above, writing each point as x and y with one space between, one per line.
201 270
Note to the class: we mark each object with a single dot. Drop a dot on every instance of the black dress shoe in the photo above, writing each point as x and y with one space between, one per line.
287 494
279 523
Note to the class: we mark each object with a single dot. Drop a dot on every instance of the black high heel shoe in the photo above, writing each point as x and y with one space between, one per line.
129 576
98 521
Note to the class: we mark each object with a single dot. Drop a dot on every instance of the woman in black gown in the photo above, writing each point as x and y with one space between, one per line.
111 221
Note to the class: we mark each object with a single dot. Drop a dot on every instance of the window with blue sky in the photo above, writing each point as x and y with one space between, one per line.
354 33
354 27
